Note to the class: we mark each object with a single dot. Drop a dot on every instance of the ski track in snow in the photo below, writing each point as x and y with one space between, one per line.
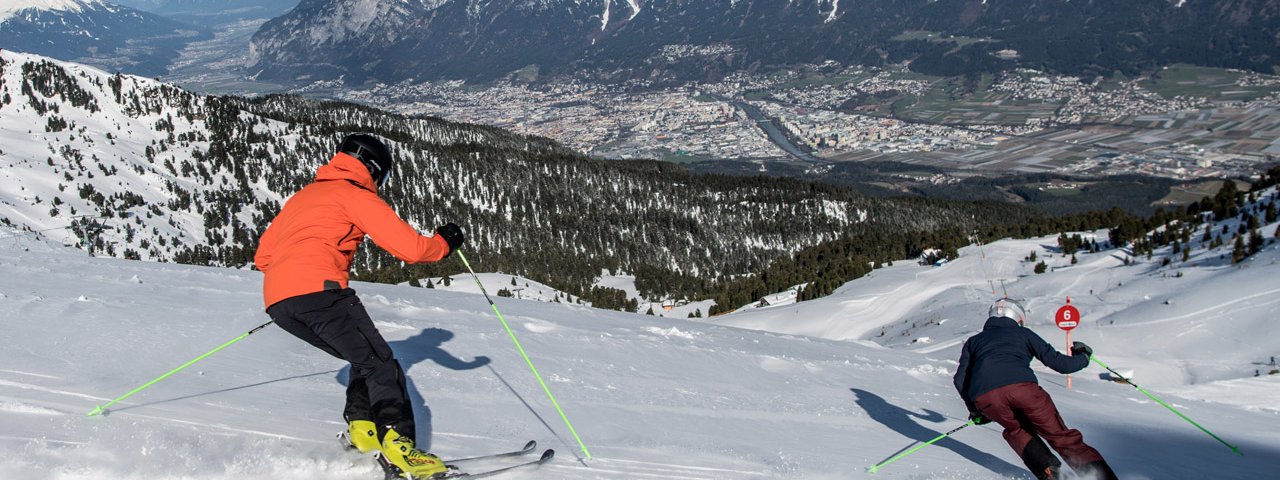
26 386
26 408
1215 308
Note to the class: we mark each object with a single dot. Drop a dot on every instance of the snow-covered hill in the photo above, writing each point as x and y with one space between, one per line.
76 123
651 397
522 288
1184 323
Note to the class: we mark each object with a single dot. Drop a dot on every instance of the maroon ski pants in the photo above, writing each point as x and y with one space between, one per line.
1027 414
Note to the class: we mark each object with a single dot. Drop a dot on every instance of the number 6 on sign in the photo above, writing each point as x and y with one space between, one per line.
1068 317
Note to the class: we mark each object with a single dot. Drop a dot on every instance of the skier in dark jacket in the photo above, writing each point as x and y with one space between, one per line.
996 382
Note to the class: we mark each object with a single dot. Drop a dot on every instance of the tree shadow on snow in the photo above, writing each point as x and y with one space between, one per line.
900 420
426 345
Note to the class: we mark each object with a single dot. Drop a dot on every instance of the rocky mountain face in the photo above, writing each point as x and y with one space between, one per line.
390 41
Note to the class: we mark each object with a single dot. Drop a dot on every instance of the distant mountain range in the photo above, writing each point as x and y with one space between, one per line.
393 40
212 10
92 31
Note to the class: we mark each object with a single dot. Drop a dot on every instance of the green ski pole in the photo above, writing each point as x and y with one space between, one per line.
526 356
1171 409
875 468
102 408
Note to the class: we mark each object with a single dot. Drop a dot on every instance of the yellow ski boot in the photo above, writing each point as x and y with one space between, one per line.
363 435
413 463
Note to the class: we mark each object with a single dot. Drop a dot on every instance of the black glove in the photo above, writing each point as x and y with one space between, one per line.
978 419
452 235
1079 348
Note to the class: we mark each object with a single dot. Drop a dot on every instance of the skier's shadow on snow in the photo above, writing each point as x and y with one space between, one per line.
899 419
426 345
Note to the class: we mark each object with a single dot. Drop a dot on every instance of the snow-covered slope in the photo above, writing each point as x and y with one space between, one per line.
522 288
653 398
1185 323
76 122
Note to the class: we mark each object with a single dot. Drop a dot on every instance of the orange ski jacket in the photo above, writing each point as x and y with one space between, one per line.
309 246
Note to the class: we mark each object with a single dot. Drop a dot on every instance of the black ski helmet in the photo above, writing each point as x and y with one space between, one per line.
370 151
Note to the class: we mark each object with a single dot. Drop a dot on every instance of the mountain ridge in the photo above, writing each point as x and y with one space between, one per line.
93 31
624 39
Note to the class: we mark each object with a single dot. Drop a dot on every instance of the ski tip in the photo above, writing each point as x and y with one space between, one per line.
96 411
547 455
872 469
528 447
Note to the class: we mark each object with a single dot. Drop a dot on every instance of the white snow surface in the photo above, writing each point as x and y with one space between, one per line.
651 397
10 7
1188 323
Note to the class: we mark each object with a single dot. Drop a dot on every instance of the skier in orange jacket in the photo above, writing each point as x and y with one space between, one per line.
306 256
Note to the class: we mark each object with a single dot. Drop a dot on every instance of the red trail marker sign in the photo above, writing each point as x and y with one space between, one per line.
1068 318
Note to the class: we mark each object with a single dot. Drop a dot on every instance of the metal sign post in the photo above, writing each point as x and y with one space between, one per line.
1068 318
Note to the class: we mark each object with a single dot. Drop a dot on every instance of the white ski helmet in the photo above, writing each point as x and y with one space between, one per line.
1008 308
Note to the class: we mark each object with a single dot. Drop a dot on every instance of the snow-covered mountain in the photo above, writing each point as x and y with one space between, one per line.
9 8
211 10
650 397
129 167
95 32
397 40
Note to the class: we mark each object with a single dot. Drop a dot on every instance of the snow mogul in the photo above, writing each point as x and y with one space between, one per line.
306 256
996 382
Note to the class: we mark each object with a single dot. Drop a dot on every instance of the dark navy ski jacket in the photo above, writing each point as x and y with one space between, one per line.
1001 355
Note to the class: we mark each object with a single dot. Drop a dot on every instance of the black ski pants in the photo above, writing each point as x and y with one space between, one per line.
335 321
